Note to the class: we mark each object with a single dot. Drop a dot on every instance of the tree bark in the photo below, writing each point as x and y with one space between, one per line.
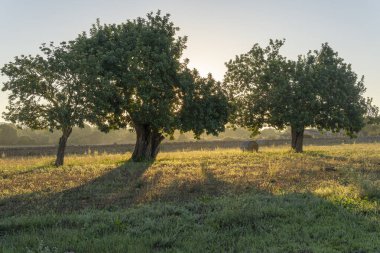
297 139
62 146
147 145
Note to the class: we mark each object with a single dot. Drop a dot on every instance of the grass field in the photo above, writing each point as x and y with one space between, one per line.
324 200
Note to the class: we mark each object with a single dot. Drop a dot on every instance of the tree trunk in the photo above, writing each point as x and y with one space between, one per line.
147 143
62 146
297 139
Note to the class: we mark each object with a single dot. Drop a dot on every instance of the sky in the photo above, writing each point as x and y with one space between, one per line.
217 30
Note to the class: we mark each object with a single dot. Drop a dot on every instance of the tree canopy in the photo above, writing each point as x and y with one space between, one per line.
318 90
136 78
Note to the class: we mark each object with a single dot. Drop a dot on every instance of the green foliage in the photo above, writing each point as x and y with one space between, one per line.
136 77
318 90
45 92
204 107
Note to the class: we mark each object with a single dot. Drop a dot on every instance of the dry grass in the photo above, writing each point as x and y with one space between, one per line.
106 180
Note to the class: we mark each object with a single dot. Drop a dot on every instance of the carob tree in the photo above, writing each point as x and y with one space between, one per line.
136 79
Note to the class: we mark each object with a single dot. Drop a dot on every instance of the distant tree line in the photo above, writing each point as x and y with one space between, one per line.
10 135
132 75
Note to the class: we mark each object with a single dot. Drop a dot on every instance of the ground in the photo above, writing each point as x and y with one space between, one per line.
324 200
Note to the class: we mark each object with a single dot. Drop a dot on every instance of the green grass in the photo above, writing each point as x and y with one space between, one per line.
324 200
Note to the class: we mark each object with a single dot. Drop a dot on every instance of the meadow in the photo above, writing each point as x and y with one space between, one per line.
326 199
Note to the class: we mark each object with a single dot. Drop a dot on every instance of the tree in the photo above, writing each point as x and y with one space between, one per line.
136 79
45 92
25 140
318 90
373 115
8 134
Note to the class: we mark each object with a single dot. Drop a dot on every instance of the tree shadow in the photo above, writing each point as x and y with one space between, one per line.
114 189
131 183
134 183
8 174
122 187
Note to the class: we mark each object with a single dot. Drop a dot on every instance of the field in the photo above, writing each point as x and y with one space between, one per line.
169 146
324 200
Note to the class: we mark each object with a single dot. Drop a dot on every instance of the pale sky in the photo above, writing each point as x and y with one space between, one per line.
217 30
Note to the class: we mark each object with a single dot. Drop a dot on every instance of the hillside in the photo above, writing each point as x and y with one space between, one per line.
324 200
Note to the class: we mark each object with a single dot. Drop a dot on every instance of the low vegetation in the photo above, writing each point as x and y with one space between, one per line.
323 200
